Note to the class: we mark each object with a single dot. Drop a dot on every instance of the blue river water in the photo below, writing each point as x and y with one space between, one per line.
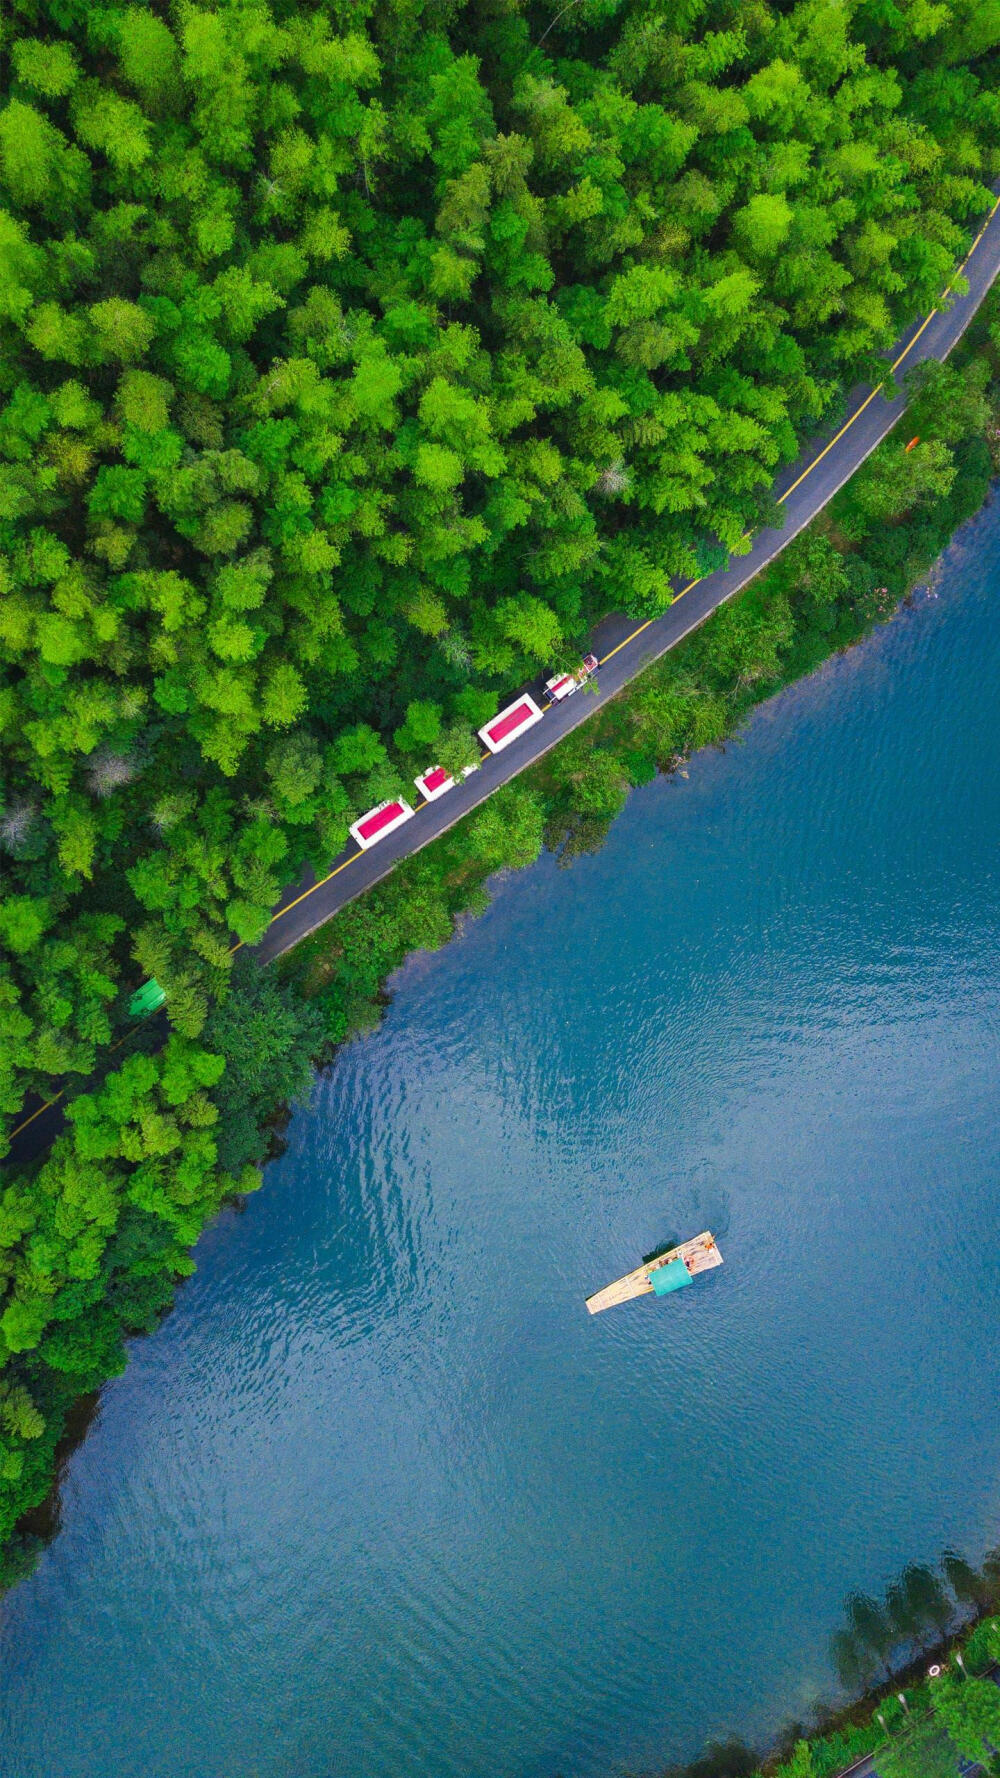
380 1500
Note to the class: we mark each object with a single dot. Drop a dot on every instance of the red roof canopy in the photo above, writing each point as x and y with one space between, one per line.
498 731
374 823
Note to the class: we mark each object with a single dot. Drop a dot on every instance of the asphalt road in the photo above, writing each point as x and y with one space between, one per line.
623 648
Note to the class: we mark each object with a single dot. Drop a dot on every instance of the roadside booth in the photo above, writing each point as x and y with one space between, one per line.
507 724
381 821
147 999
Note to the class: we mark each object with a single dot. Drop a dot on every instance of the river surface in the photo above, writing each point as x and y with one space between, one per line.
380 1500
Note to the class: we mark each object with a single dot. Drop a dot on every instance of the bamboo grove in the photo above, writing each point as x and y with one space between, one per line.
355 358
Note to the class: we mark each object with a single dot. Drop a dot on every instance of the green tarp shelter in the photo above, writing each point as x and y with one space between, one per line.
670 1277
149 998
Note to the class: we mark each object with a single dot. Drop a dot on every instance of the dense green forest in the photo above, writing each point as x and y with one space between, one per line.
354 359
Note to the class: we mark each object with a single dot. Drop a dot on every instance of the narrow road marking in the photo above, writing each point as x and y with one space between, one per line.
16 1131
312 890
846 427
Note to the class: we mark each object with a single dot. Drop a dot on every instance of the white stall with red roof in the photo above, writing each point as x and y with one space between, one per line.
507 724
380 821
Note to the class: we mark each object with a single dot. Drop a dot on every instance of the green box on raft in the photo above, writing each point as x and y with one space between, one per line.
669 1278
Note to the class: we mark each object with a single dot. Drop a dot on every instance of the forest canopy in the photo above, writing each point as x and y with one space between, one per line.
354 359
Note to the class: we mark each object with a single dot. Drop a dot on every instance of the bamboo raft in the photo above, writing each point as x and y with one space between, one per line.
691 1257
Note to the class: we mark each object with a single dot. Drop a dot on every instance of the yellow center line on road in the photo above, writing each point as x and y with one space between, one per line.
16 1131
628 639
845 428
335 872
423 804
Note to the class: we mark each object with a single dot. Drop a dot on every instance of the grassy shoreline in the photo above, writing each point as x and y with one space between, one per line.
907 1706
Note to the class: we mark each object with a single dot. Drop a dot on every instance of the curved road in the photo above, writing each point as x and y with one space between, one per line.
623 648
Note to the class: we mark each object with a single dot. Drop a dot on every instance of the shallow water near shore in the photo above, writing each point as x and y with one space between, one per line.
380 1500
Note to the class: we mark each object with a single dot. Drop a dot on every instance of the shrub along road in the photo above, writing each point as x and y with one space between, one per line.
623 648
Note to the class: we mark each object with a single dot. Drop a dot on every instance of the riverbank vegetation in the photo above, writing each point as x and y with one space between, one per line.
354 360
927 1656
930 1709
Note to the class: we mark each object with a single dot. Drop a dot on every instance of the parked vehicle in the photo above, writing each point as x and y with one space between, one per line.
563 685
436 782
380 821
507 724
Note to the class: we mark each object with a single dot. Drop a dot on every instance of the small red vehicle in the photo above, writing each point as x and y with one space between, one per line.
563 685
436 781
433 783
